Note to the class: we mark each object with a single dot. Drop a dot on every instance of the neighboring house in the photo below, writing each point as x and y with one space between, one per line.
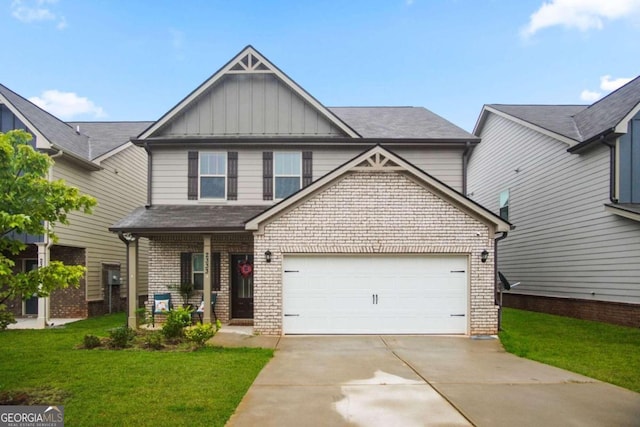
98 159
308 219
568 177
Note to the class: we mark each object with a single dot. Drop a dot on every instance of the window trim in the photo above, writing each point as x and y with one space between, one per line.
194 271
506 205
276 175
225 176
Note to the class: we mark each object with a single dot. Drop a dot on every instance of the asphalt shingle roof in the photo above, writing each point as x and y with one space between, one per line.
185 218
105 136
399 122
580 122
55 130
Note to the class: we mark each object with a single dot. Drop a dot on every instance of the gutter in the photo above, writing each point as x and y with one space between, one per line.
600 137
465 160
612 169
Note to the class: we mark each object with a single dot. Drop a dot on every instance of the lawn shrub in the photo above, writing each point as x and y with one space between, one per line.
91 341
200 333
153 340
177 320
121 337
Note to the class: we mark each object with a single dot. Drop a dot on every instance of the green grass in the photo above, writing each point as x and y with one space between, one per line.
598 350
130 387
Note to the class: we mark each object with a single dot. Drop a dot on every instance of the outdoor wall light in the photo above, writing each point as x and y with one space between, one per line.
484 256
267 256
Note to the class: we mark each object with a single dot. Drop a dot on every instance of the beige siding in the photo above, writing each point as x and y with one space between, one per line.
170 170
243 104
119 188
565 244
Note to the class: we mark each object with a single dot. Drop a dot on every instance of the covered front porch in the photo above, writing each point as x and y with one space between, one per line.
206 246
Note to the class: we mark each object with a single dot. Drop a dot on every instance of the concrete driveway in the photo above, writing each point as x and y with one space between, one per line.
423 381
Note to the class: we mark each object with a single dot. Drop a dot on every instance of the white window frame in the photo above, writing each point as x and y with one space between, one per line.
201 175
193 268
505 205
276 175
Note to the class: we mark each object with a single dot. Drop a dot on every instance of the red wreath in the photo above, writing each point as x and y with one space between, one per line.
245 268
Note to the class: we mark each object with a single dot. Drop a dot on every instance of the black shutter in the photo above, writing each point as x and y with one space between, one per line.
232 175
192 176
185 268
267 175
307 168
215 257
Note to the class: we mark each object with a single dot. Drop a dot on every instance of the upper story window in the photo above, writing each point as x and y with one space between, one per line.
197 271
287 173
629 163
504 205
213 175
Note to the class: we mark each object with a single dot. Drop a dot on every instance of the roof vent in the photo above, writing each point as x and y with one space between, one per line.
78 129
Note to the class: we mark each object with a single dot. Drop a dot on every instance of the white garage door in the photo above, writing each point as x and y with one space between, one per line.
375 294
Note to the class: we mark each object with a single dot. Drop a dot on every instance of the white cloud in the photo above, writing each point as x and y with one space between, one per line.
590 96
67 105
29 11
581 14
608 84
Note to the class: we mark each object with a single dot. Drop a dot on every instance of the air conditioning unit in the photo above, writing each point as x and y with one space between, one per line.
113 277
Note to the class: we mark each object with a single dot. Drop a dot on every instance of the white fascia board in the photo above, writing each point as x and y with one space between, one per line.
570 142
113 152
623 213
41 142
622 126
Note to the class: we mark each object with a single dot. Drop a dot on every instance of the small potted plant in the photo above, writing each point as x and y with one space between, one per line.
186 290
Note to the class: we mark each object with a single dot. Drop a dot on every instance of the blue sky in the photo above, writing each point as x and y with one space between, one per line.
134 60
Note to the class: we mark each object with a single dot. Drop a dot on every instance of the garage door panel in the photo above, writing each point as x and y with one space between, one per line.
375 294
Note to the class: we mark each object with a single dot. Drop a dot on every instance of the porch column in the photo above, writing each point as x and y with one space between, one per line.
207 279
43 302
132 282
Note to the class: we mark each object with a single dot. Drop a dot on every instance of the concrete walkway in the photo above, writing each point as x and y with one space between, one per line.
32 323
423 381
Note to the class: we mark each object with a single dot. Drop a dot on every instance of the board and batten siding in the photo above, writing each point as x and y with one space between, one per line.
169 173
564 244
119 188
249 104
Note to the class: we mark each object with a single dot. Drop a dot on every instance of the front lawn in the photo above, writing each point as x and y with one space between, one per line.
598 350
126 387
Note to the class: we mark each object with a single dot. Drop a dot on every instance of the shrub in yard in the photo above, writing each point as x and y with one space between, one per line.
177 320
121 337
143 316
153 341
200 333
91 341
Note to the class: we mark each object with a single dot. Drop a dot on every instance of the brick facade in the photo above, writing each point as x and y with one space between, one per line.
164 265
374 212
618 313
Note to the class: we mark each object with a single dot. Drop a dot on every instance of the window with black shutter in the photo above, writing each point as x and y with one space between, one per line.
267 175
192 175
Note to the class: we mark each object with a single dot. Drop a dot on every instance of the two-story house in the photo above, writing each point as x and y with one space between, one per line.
98 159
308 219
569 177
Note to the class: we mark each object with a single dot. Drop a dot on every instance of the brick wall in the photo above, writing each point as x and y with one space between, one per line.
602 311
69 302
164 265
369 212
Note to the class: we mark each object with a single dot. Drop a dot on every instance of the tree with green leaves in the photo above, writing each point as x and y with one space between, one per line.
28 202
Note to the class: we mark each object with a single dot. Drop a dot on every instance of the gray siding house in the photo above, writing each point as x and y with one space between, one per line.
301 218
568 177
98 159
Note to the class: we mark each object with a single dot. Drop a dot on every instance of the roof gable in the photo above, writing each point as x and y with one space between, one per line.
249 96
379 159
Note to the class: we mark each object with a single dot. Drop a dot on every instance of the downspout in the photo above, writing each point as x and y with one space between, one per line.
465 161
44 255
612 169
497 289
149 172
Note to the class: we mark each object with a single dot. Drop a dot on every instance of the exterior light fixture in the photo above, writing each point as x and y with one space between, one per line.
267 256
484 256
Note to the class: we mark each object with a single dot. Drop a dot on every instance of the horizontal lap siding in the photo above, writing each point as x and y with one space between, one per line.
119 188
170 170
564 244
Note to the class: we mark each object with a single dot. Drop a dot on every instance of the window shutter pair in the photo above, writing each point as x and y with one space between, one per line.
267 172
192 175
186 272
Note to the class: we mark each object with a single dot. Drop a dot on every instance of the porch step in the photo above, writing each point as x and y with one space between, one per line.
241 322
